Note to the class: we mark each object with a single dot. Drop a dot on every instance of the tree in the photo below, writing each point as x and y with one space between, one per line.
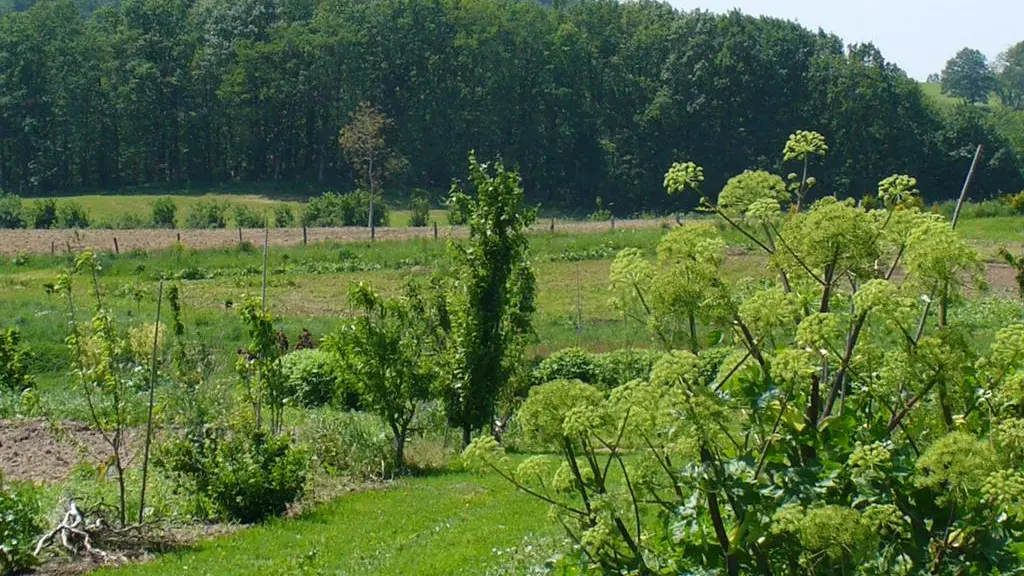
492 297
362 140
1010 77
387 351
968 75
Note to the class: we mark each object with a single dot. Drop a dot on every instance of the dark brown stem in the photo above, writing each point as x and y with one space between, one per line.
716 519
839 381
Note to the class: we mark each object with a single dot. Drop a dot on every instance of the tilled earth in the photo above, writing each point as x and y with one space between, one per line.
36 451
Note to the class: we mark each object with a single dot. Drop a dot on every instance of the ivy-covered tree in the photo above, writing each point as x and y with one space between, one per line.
491 297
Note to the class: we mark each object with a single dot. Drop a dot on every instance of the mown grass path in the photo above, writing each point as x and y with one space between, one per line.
449 524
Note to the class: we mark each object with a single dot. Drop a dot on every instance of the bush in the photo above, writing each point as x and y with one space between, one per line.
600 213
621 367
207 214
71 214
331 210
10 211
1016 202
42 214
353 444
123 221
313 376
19 528
567 364
420 215
283 216
165 213
248 217
242 474
459 206
14 357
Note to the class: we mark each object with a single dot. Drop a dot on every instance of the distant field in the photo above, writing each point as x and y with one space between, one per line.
102 208
944 101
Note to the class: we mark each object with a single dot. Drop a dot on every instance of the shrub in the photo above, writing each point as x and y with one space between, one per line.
10 211
353 444
621 367
207 214
283 216
249 217
14 357
459 208
242 474
19 528
1015 202
165 213
122 221
600 213
352 209
313 376
71 214
420 215
42 214
567 364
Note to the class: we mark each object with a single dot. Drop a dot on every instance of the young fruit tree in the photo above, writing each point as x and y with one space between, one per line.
813 422
363 142
387 351
490 299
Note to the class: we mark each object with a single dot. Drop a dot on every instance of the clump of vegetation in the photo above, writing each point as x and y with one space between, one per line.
313 376
10 211
164 213
121 221
420 215
459 207
249 217
19 527
600 213
42 214
355 444
283 216
238 473
832 420
207 214
333 210
71 214
14 358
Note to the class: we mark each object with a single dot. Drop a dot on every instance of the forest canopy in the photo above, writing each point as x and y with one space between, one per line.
589 100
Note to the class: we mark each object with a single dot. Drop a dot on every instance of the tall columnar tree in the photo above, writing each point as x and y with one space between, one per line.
492 296
968 75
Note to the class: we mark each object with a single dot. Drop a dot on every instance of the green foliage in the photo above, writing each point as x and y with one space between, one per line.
460 207
354 444
42 214
749 192
14 358
164 213
260 369
313 377
241 473
283 216
20 526
567 364
249 217
10 211
833 420
207 214
122 221
387 352
492 299
1010 77
352 209
71 214
968 75
420 215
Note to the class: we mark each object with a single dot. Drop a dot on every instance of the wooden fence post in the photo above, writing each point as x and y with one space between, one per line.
435 229
239 234
613 222
552 223
303 235
53 247
117 250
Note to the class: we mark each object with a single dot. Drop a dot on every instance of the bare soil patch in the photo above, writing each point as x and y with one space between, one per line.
36 451
13 242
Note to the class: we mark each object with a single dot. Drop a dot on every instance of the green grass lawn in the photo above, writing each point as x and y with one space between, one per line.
447 524
944 101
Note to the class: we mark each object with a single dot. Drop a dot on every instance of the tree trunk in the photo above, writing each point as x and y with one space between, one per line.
400 451
467 435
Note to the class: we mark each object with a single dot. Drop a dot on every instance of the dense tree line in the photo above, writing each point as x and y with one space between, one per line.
589 99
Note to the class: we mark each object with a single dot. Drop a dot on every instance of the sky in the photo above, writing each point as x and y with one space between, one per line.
918 35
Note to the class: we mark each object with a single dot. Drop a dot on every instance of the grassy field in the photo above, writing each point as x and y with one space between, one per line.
457 523
944 101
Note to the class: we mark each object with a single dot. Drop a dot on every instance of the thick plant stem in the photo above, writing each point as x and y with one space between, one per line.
152 398
715 509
